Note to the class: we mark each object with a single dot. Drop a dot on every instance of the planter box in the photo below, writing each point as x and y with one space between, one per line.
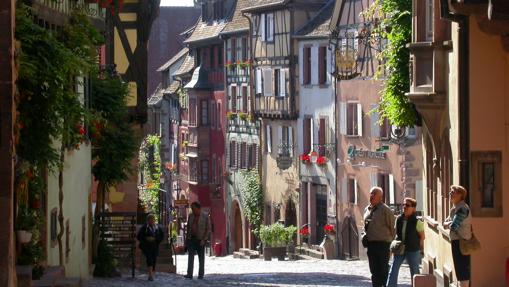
23 236
269 252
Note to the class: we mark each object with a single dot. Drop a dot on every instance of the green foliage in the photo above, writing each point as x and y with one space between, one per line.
395 26
276 235
49 107
105 264
150 167
112 136
252 202
27 219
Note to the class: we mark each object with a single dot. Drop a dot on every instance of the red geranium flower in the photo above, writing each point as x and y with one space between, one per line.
305 158
304 231
329 228
321 160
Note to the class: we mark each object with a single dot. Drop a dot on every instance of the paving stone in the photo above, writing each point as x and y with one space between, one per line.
227 271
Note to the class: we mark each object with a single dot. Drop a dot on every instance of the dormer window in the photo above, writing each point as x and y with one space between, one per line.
212 10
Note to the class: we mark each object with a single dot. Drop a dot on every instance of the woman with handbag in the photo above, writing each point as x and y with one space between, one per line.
459 221
408 243
150 236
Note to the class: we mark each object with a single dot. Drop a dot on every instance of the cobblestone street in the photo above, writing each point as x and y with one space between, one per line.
227 271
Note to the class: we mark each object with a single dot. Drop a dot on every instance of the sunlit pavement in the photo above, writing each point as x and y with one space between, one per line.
227 271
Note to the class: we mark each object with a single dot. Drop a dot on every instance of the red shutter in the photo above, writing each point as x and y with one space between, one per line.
322 66
307 135
321 136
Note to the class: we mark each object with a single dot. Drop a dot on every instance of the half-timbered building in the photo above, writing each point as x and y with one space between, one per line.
276 99
370 152
242 140
316 125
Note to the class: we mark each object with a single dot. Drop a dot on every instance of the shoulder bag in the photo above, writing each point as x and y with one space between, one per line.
469 246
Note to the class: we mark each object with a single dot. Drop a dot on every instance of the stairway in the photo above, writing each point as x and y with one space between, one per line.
309 252
245 253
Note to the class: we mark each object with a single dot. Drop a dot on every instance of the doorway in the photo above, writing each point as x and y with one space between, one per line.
350 239
321 212
290 214
237 227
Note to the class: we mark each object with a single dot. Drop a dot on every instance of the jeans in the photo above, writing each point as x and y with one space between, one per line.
193 248
378 256
412 258
461 262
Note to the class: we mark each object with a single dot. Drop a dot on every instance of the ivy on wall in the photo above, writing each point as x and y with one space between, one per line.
393 22
252 195
150 168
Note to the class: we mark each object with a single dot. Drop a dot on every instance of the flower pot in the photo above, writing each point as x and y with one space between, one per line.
269 252
23 236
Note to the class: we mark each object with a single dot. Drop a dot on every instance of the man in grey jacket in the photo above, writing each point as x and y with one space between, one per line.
379 228
197 233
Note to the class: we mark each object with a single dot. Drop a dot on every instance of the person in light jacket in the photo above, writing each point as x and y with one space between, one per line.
197 233
379 229
150 236
459 221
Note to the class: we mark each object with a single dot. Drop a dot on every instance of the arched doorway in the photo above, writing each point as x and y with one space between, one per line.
237 227
290 213
350 238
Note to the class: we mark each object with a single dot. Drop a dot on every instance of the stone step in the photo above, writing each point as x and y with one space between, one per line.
242 255
249 252
310 252
50 276
304 257
68 282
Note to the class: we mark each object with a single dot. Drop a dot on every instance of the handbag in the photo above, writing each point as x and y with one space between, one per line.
469 246
364 239
397 247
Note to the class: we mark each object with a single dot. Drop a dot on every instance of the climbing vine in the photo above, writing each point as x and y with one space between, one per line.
150 168
52 117
252 203
394 24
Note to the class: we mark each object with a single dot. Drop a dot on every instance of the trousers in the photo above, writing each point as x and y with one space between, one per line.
378 256
194 248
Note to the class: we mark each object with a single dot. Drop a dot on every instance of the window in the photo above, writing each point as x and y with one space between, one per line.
385 129
192 112
244 99
308 135
351 119
322 134
306 62
267 27
268 138
487 180
259 81
193 170
204 171
429 21
386 182
352 190
253 150
204 113
239 50
233 98
234 50
220 58
233 154
322 65
285 139
243 155
277 82
218 10
245 50
267 82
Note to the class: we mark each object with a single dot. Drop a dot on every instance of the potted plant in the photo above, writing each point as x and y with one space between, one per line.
304 232
276 238
329 230
231 116
25 223
321 161
327 244
243 116
305 158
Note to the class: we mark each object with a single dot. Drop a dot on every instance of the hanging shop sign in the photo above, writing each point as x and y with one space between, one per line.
353 153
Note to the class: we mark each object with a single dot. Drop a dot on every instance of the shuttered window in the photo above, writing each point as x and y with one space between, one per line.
267 82
244 99
234 50
277 82
233 154
204 171
307 135
253 150
269 27
322 133
233 98
243 155
259 81
245 50
322 65
192 112
352 191
204 113
351 116
306 62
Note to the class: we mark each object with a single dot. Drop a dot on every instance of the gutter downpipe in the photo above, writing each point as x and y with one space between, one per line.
463 91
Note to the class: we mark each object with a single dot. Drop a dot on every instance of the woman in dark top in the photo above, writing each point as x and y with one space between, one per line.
150 236
409 231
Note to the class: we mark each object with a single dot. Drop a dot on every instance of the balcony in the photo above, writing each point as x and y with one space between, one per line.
56 12
237 74
274 107
237 125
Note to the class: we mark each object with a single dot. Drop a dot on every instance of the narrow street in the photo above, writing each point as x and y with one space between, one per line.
227 271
